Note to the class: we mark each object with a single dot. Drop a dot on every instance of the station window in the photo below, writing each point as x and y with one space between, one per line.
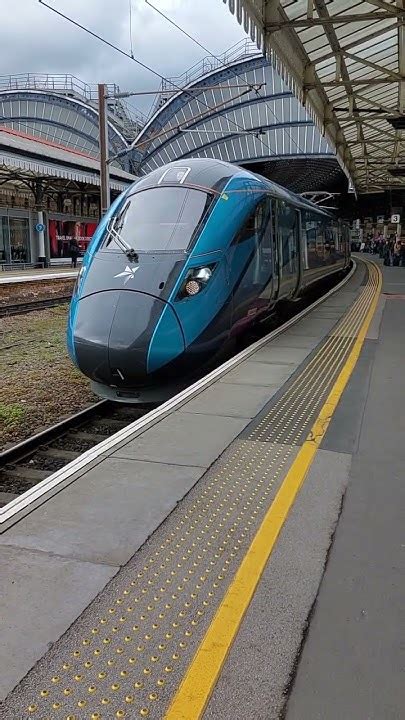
14 240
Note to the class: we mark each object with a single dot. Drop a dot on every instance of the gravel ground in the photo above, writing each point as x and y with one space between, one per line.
38 383
26 292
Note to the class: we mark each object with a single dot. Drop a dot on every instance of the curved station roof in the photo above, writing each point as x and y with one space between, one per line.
345 60
240 112
61 110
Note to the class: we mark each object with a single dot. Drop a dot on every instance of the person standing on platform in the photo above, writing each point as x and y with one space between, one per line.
74 252
402 253
387 253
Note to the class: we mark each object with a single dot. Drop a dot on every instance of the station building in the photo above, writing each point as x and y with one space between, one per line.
49 172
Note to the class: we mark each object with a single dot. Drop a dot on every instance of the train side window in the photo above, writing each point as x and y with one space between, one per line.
247 230
255 224
314 233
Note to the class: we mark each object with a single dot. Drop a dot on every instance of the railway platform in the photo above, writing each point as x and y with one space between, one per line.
235 553
8 277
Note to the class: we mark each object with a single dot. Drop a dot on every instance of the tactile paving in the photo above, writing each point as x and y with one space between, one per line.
128 653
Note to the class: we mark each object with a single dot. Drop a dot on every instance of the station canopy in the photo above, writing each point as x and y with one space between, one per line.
345 61
237 108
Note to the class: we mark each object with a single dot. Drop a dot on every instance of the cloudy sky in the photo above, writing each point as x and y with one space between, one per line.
34 39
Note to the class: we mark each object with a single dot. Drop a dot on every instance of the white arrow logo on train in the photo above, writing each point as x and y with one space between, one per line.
128 273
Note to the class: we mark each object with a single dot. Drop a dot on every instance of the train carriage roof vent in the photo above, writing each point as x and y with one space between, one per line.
174 175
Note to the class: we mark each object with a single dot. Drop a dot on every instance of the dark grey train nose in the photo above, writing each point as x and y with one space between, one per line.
114 331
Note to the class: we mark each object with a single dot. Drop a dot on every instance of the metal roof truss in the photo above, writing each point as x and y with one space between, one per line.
345 59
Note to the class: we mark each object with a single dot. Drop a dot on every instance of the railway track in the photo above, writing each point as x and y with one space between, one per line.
33 460
26 464
26 307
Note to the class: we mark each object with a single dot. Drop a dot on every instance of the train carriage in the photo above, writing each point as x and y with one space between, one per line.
186 259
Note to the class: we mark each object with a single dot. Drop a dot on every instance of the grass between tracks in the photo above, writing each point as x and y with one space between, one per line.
38 383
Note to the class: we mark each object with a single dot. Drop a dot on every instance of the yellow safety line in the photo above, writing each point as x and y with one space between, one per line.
200 679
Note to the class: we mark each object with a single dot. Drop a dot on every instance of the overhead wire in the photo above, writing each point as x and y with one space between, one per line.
146 67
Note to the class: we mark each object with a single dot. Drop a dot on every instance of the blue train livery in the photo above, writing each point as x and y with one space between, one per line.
184 261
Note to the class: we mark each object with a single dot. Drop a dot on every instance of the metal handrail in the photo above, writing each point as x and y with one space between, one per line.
243 48
67 84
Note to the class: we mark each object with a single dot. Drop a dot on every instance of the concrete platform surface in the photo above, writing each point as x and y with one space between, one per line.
21 276
353 660
165 498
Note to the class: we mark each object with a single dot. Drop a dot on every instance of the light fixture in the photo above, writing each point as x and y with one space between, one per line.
192 287
196 280
203 274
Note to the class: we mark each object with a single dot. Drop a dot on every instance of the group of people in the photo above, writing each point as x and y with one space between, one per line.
391 249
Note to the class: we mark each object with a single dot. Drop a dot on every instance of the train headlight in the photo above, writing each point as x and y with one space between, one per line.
192 287
203 274
196 280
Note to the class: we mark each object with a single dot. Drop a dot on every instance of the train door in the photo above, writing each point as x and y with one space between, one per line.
288 232
263 279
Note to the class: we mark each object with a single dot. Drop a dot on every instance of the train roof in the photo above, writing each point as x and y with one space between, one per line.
214 174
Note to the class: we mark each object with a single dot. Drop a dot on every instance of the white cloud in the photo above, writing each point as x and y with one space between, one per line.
34 39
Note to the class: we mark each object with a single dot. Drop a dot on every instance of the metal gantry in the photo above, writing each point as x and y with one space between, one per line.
345 60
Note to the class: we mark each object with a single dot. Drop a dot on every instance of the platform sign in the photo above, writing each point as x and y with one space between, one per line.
395 219
39 227
380 219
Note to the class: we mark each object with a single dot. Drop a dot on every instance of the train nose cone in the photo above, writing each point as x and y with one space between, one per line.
115 331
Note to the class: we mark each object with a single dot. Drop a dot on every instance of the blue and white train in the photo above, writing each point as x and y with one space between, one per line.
185 260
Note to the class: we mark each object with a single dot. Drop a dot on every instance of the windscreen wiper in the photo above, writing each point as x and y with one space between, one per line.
126 249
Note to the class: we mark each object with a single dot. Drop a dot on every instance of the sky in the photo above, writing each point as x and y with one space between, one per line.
34 39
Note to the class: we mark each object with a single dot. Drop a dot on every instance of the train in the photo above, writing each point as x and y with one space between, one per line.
186 260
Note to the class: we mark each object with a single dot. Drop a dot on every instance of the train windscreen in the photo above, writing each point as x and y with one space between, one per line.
163 219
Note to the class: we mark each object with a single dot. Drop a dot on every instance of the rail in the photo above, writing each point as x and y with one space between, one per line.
25 464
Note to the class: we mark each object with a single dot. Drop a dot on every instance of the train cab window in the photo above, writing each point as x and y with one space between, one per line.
160 219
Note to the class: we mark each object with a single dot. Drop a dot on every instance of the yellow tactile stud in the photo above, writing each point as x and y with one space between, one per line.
32 708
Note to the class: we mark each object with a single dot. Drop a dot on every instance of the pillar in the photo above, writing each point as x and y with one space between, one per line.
41 238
